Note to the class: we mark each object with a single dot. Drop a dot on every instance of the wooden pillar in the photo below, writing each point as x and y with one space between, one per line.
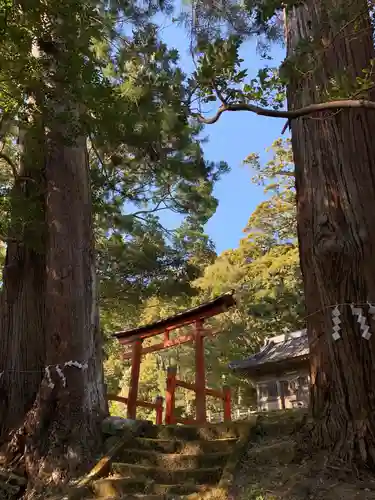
170 395
280 394
258 397
166 336
200 374
134 379
227 404
159 410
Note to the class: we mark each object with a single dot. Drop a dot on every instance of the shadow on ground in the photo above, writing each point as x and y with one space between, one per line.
274 468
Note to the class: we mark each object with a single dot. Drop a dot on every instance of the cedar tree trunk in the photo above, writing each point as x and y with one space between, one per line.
334 154
22 334
49 316
64 426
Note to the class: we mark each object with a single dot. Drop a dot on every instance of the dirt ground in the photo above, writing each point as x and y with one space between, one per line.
274 469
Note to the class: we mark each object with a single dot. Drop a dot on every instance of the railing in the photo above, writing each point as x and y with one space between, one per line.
237 415
173 383
157 406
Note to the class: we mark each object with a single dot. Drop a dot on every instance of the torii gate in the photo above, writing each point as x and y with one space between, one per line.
195 318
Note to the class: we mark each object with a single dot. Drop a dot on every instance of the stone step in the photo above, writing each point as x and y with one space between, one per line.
171 462
137 496
141 496
174 461
209 475
207 432
115 487
190 447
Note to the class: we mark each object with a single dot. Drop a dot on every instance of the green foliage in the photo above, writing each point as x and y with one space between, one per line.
219 75
217 34
274 220
263 271
145 155
218 31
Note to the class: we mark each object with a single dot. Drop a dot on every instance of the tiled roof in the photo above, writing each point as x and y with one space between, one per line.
280 348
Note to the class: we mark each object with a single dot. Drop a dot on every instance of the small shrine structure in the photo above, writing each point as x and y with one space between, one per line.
193 321
280 371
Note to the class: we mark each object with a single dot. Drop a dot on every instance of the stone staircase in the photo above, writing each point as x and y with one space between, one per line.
175 462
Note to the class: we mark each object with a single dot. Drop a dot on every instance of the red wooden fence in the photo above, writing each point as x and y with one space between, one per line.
157 406
173 382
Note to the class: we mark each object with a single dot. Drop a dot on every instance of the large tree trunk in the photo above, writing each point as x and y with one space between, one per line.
22 334
64 426
52 344
334 154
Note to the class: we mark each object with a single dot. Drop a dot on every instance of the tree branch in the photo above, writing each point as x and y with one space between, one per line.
169 232
286 173
290 115
99 158
287 125
219 93
157 208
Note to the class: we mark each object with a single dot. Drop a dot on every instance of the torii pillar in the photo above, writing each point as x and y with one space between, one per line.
200 374
134 379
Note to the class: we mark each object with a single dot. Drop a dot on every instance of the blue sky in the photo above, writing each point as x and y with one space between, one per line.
231 139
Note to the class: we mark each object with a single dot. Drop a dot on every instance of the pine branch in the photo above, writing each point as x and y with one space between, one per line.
157 208
168 232
290 115
99 158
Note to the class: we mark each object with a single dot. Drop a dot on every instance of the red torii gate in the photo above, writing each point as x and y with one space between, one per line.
135 337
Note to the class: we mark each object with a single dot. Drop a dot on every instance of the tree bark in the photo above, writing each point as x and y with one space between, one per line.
64 426
334 155
49 319
22 334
